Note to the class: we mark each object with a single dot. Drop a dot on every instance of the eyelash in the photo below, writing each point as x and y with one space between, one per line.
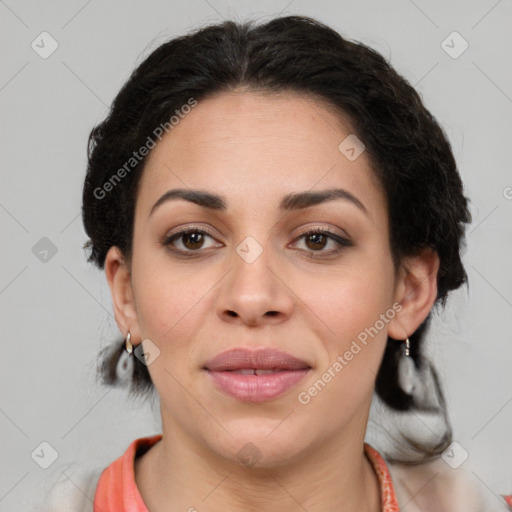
341 241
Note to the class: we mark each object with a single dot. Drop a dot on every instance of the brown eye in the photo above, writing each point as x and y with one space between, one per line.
191 240
315 241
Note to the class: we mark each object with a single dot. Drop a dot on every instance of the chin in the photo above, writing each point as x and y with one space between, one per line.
261 445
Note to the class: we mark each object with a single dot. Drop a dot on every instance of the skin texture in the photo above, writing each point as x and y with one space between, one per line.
253 149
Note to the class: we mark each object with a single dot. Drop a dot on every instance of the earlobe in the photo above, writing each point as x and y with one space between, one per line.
117 273
416 291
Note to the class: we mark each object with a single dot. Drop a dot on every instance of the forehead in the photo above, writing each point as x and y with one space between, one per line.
255 148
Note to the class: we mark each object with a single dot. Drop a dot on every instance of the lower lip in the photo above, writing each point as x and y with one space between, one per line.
256 388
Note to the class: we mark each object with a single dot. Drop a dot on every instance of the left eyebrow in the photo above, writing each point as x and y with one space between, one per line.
290 202
297 201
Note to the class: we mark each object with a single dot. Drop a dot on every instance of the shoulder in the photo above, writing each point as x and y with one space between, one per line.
73 489
77 487
436 487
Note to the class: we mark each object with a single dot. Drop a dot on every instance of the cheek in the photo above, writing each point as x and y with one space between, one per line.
354 338
348 302
353 310
168 300
169 312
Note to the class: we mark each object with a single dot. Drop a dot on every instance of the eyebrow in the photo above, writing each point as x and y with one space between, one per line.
290 202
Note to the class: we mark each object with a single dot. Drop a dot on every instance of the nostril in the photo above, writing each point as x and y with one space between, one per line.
272 313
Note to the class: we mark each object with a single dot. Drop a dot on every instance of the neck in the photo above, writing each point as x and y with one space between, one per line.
179 474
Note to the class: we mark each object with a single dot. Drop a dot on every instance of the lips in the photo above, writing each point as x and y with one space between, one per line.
255 376
256 371
263 359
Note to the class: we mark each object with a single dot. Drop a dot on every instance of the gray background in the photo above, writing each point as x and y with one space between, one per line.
57 314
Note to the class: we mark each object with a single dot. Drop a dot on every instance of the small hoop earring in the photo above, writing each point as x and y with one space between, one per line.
407 370
127 344
407 348
124 366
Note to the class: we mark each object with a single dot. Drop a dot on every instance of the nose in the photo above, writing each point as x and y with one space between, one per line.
255 292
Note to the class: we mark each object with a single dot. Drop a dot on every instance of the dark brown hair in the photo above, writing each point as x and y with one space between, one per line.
410 154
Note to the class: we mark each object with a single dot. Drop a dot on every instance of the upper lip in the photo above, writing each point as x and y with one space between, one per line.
264 359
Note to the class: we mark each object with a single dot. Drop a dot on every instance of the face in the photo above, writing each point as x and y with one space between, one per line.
248 275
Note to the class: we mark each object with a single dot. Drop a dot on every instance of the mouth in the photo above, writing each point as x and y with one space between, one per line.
255 376
258 371
262 359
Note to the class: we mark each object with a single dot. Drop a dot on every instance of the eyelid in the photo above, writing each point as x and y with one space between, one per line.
342 242
169 238
188 228
324 229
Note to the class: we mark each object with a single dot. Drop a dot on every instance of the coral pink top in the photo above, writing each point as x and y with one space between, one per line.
117 489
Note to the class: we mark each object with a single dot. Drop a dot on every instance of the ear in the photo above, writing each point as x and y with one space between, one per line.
416 291
117 272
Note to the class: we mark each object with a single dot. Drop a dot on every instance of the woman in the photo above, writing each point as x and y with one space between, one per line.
277 214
